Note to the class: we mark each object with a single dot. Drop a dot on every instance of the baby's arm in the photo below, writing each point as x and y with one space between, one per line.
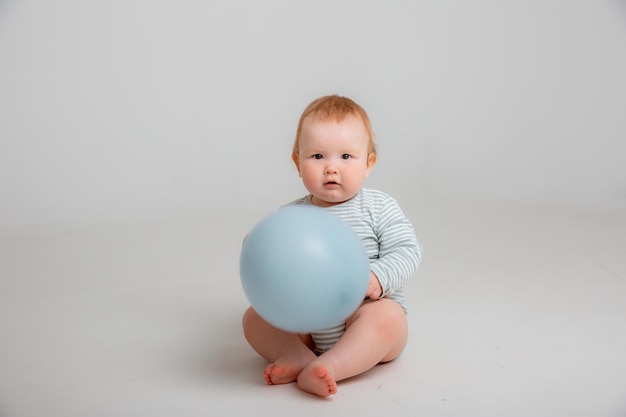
399 253
374 290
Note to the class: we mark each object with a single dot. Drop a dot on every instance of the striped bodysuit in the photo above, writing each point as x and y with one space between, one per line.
393 250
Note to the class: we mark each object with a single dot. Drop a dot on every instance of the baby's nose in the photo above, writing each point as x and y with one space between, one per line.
330 169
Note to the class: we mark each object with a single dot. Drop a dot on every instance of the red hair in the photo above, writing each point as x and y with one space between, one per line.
335 108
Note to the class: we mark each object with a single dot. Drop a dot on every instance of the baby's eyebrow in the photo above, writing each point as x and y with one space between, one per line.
314 151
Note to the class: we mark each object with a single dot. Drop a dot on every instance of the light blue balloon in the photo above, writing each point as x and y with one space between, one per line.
304 269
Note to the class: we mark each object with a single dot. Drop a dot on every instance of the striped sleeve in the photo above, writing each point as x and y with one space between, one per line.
399 250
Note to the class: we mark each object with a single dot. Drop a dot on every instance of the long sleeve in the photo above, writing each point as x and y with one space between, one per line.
399 251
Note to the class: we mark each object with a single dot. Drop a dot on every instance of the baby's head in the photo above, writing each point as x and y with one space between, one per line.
334 149
334 108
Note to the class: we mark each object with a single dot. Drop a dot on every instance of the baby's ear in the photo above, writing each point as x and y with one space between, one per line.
295 157
371 161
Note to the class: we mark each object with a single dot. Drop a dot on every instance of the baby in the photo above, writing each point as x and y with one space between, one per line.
334 153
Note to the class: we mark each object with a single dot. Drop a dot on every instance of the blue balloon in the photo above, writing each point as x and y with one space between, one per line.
304 269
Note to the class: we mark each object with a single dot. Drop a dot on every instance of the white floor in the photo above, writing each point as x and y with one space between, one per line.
514 312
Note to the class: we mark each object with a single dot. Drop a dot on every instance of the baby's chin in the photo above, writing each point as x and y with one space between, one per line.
323 202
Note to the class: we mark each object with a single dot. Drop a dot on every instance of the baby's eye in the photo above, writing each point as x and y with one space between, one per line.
318 156
345 156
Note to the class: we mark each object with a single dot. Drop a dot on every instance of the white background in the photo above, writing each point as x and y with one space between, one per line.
126 109
140 140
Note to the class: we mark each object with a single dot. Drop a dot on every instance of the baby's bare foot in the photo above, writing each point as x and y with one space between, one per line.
276 373
317 379
287 368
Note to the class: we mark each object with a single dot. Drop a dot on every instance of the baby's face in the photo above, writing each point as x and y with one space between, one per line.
333 159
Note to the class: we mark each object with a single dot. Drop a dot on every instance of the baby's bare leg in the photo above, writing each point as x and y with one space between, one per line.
288 353
376 332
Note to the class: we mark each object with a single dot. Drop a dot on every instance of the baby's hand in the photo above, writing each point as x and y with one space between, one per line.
374 290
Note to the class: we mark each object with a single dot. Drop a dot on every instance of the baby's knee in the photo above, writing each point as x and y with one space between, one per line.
250 316
385 312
